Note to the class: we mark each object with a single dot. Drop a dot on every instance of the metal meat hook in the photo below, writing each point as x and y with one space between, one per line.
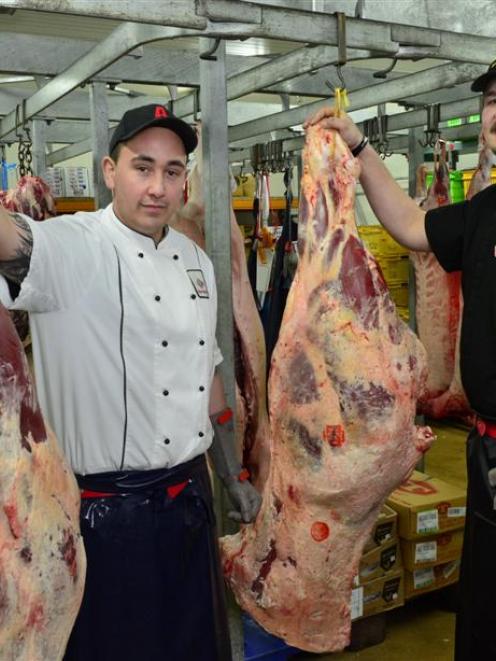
209 53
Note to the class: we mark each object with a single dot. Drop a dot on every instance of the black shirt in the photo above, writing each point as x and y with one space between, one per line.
463 237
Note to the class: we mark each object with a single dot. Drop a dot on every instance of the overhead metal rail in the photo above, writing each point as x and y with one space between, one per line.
248 19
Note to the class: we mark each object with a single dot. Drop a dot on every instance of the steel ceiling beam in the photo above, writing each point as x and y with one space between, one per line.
244 19
416 83
268 74
120 41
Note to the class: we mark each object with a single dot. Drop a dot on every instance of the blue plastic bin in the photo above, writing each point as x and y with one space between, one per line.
260 645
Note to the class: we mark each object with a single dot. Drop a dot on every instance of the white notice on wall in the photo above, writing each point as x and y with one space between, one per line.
426 552
427 521
356 605
422 578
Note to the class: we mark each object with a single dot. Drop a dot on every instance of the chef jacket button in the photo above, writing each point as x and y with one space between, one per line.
157 298
193 296
140 254
201 434
165 392
165 343
166 441
201 388
175 256
202 342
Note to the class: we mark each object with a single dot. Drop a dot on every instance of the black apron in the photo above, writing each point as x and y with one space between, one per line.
153 589
476 618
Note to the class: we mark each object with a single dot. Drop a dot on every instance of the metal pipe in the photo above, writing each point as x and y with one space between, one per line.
120 41
416 83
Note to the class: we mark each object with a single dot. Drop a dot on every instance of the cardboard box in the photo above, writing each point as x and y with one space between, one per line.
427 505
428 579
55 179
430 551
382 594
384 530
77 182
378 561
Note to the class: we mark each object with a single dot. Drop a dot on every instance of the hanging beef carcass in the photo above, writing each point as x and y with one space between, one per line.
453 402
437 301
42 560
252 421
345 376
31 196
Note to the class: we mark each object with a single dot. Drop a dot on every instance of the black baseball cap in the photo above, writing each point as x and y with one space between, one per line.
137 119
480 83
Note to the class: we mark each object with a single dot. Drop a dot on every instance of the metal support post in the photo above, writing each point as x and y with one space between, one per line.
99 141
415 159
213 99
38 136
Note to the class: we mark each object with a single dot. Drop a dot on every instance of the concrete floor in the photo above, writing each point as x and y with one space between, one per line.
423 629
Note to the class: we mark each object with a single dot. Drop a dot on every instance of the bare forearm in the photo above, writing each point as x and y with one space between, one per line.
16 245
399 214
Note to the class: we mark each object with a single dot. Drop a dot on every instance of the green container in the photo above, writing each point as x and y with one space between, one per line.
456 185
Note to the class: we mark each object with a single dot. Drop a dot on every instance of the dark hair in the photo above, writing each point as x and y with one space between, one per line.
114 154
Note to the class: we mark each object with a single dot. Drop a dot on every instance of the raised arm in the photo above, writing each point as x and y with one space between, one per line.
16 245
399 214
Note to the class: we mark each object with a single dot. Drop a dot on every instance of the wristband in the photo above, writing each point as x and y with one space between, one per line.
360 146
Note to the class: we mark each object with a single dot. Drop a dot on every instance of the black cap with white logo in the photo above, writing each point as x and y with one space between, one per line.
138 119
480 83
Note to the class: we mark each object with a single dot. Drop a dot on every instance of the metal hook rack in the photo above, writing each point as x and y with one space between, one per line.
384 72
209 53
432 132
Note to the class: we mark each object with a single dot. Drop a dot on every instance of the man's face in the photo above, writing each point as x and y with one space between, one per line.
147 181
489 115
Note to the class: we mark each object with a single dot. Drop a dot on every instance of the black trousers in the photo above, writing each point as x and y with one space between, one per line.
476 618
153 590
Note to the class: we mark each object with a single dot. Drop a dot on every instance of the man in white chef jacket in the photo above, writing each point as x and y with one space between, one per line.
123 315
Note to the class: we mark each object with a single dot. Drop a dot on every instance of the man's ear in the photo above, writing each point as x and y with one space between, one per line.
108 169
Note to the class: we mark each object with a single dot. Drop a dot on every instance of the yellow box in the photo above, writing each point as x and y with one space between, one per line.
395 269
431 551
380 242
379 561
467 178
404 312
427 505
399 294
382 594
428 579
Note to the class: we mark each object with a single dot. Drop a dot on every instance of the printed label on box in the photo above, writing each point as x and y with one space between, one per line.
383 532
427 521
356 605
391 590
388 558
426 552
450 568
423 577
455 512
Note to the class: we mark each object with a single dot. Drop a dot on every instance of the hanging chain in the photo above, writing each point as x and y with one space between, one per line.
24 154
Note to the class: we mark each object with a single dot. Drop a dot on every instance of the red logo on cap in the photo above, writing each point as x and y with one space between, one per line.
160 111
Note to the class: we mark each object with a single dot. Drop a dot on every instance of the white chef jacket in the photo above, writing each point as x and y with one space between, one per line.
124 345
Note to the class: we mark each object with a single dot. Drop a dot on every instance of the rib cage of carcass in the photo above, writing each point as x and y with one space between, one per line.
439 302
345 376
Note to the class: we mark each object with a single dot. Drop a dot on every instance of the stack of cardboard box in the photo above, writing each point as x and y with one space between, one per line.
431 518
379 583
